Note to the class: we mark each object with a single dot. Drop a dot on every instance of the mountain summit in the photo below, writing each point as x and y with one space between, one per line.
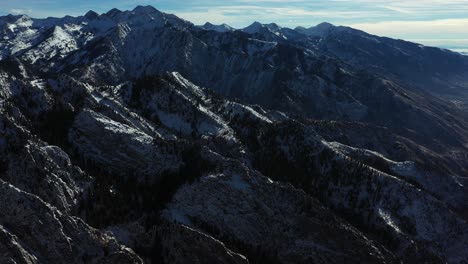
218 28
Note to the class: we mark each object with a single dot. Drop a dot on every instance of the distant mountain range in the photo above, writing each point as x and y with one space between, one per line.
463 51
458 46
139 137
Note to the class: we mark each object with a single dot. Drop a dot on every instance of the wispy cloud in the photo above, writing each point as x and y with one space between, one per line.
242 15
428 32
308 12
20 11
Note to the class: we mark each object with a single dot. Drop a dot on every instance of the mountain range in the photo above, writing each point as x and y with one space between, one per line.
139 137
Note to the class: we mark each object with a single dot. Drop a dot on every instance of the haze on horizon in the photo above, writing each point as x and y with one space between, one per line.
441 23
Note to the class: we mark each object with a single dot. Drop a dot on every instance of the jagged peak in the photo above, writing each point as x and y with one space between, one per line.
15 18
18 16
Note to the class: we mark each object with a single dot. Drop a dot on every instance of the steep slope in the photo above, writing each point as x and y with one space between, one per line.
41 234
435 70
281 223
265 72
128 114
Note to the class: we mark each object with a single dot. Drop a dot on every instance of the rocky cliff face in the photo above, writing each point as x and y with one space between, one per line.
113 151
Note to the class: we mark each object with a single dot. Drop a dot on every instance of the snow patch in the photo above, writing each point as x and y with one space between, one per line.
388 219
239 109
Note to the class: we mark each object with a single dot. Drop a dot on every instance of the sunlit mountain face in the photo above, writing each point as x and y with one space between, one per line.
141 137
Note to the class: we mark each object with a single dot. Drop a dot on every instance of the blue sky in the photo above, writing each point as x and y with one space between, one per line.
435 22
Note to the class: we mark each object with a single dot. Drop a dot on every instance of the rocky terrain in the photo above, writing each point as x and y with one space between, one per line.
138 137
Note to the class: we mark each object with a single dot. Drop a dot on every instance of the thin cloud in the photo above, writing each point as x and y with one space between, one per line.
19 11
243 15
446 30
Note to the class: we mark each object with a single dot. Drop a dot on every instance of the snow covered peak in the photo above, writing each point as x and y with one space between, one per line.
18 20
146 17
22 17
